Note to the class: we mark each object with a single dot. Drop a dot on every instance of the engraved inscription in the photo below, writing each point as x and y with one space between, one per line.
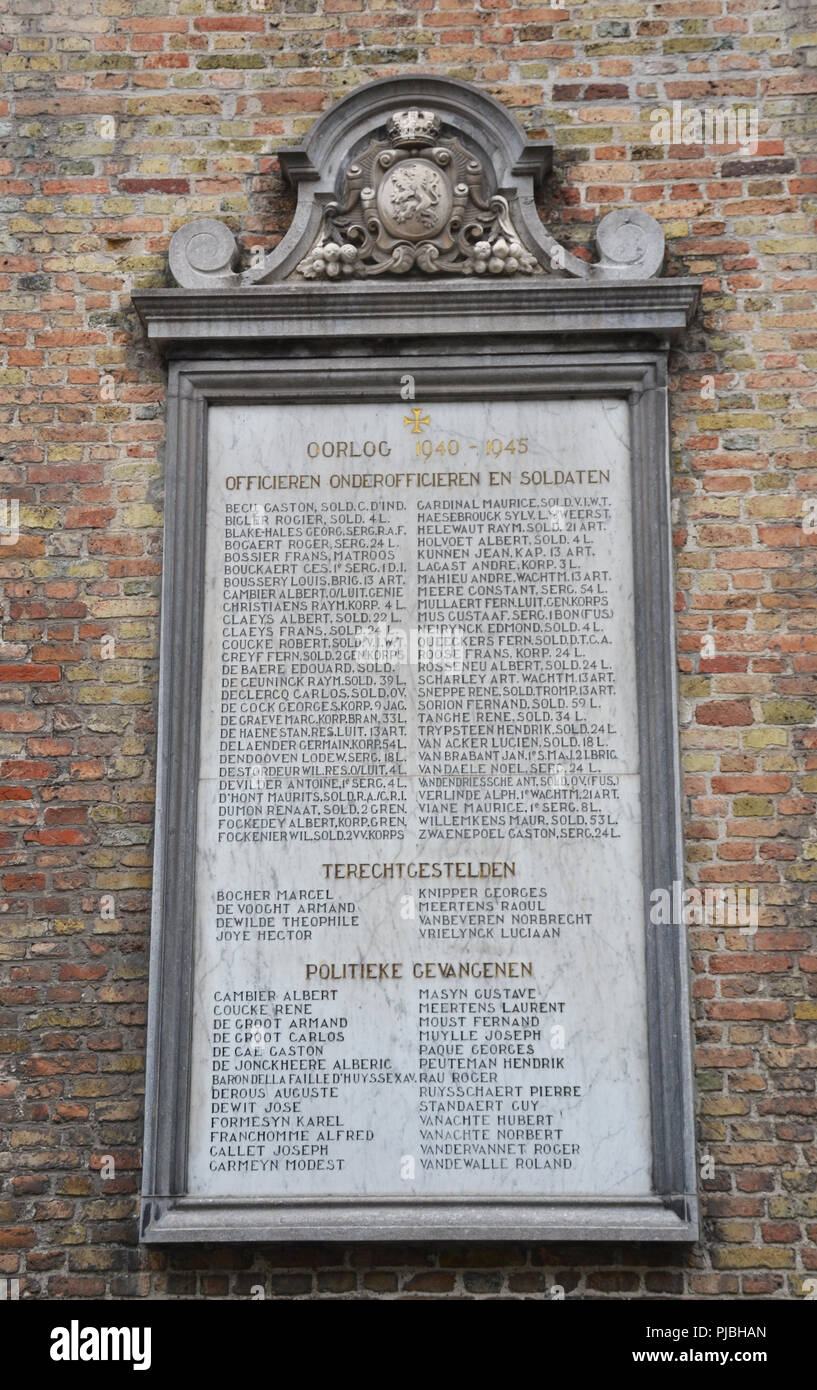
419 942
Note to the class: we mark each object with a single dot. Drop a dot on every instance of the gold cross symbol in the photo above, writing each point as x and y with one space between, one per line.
416 419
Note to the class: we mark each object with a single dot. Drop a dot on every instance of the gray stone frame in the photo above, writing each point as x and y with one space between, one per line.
296 344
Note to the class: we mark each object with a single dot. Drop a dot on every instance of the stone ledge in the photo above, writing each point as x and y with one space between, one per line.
183 1220
187 318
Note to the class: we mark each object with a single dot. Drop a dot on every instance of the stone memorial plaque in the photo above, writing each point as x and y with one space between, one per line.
420 952
418 752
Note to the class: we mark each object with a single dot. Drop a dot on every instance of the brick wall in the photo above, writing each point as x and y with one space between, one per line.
130 117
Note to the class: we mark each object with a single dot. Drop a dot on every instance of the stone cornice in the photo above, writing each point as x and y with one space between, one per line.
193 319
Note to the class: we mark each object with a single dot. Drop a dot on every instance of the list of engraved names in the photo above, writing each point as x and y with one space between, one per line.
419 924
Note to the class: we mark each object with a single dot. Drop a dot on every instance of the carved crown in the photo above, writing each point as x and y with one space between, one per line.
413 127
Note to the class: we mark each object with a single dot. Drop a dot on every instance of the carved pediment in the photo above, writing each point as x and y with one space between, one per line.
419 177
